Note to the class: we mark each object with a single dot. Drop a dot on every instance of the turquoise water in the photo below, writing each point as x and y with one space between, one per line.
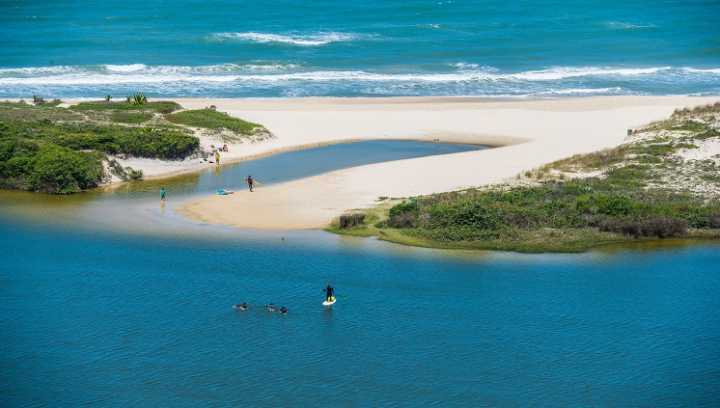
125 320
288 48
108 314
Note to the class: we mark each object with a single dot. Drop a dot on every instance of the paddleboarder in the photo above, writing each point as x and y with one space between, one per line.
329 293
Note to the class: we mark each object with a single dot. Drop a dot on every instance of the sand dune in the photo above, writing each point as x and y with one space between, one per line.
527 134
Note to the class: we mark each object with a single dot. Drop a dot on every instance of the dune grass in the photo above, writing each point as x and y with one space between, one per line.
625 201
212 119
130 117
158 106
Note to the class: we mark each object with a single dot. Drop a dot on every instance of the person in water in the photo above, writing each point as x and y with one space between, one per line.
242 306
250 183
163 194
329 292
283 310
270 307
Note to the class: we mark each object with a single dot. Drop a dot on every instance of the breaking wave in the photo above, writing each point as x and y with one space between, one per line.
464 72
622 25
303 40
276 79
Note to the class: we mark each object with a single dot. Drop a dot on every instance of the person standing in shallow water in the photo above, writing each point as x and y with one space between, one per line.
250 183
163 194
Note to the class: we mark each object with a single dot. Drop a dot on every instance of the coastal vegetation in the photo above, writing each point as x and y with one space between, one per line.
662 183
209 118
129 105
48 148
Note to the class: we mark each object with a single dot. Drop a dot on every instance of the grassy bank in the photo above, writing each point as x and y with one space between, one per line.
662 183
212 119
61 150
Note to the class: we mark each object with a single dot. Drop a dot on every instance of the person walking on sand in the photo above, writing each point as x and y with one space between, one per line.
163 194
250 183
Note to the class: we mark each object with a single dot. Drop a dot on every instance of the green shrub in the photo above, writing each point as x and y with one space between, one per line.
351 220
407 206
59 170
714 221
156 142
159 106
134 174
212 119
690 126
660 227
58 150
575 204
160 142
613 205
130 117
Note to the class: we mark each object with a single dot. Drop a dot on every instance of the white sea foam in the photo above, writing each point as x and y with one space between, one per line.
277 73
126 68
464 66
582 91
574 72
56 69
623 25
202 69
702 70
304 40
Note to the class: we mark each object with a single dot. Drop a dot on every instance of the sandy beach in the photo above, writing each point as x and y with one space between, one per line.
525 134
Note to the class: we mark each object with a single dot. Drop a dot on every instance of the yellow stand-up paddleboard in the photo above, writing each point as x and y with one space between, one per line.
328 303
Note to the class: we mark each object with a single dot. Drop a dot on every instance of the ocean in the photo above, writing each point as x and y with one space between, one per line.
358 48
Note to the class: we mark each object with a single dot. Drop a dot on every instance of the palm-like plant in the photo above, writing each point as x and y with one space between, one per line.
138 98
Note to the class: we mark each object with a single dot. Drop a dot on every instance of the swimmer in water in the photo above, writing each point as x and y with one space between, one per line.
283 310
270 307
241 307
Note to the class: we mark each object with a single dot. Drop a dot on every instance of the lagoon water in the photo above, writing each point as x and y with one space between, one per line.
96 314
93 318
398 47
134 206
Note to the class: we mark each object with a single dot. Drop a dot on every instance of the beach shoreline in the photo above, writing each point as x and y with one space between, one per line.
158 169
526 134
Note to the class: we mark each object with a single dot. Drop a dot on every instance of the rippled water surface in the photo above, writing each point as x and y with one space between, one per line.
96 310
377 47
126 320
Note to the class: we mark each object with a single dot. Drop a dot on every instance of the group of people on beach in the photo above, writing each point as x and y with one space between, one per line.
249 180
217 150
